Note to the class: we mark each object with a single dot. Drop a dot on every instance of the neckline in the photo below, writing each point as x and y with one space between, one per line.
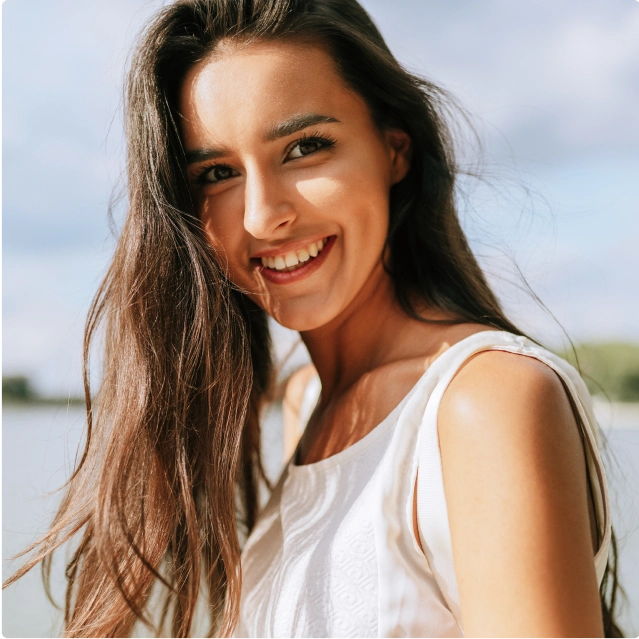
355 448
376 431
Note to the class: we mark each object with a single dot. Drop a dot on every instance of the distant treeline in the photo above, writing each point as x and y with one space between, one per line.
608 368
17 389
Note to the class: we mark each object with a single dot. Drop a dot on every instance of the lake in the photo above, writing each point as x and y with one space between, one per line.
38 447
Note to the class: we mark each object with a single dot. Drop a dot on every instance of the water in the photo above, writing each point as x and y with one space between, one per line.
36 459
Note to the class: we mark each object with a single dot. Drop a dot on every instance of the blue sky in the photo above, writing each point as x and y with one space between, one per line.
553 89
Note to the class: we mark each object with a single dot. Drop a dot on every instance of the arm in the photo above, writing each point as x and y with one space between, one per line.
516 490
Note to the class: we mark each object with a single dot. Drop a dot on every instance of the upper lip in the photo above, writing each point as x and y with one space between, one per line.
289 247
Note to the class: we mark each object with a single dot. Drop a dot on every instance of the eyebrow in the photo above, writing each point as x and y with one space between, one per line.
281 130
296 123
201 155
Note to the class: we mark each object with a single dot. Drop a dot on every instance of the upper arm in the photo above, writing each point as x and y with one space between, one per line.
516 491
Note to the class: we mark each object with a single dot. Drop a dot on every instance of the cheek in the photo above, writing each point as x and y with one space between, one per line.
353 193
322 193
221 218
219 213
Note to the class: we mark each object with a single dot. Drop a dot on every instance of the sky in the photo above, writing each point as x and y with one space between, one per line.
551 88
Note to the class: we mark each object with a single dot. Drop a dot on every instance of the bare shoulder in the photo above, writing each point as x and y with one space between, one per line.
292 406
506 421
516 492
296 385
505 390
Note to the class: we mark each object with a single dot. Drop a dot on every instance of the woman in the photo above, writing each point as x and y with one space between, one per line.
282 163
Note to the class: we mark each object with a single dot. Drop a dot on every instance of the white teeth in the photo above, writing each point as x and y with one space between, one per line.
290 260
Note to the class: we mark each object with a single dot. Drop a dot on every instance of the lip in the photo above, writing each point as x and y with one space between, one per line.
288 277
291 247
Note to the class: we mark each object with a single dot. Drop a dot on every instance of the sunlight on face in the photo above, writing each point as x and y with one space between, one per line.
291 177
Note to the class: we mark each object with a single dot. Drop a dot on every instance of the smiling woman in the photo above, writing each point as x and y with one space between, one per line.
282 163
306 169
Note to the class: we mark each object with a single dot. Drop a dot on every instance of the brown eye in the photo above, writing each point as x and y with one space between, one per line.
307 146
217 173
304 148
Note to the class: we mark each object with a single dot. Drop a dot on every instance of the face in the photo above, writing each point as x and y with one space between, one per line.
291 177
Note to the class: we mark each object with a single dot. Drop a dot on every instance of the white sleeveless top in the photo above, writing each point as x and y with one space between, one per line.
333 553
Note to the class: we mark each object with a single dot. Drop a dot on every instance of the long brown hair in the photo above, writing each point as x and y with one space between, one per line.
168 481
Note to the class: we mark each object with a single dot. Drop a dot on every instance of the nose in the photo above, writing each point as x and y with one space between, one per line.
267 209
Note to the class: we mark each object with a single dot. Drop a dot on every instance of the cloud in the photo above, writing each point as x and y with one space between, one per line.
62 134
556 80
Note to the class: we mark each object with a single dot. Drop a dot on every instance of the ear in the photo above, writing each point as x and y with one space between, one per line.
400 147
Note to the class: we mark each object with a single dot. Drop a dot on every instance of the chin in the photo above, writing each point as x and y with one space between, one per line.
301 319
299 323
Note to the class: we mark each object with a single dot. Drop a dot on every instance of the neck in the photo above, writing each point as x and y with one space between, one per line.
370 332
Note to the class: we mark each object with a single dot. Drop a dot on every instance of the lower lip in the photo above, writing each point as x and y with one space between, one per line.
288 277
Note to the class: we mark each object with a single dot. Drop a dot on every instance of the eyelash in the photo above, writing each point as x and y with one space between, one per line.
325 142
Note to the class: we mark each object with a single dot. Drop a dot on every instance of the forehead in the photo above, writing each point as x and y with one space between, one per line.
241 90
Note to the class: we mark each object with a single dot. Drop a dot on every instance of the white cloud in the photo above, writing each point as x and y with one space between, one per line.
556 79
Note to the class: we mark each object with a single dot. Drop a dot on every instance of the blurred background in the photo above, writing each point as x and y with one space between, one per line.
551 88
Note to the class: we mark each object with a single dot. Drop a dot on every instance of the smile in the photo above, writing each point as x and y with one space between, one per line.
293 260
297 265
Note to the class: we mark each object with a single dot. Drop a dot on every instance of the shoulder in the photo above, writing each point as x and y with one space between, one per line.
508 411
292 408
495 378
515 485
501 390
296 385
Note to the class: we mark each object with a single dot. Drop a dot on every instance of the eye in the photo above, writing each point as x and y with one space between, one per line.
216 173
308 145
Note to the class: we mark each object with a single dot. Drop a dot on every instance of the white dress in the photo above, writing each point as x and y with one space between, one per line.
333 553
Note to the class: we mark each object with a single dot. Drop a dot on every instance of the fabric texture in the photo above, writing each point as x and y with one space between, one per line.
334 553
